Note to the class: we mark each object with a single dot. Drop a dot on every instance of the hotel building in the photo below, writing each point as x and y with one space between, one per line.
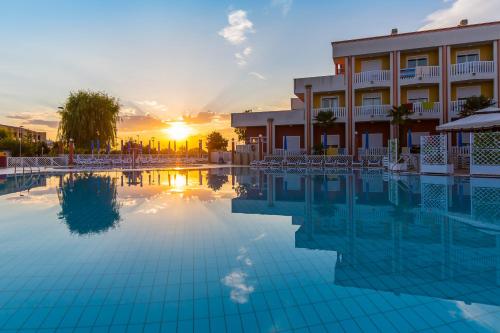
432 71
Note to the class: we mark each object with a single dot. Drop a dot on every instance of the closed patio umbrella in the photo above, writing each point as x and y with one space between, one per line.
409 138
108 148
98 146
367 141
460 139
92 146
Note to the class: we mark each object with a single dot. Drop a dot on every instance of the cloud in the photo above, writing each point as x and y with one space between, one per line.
205 117
285 5
132 123
241 57
475 11
19 116
239 25
42 122
257 75
240 290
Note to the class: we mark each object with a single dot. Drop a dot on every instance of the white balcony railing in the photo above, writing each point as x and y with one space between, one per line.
473 67
427 108
456 107
419 73
372 76
372 110
338 112
373 151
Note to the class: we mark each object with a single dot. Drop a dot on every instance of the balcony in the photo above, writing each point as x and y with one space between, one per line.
456 107
320 83
426 110
420 74
372 112
338 112
472 70
372 79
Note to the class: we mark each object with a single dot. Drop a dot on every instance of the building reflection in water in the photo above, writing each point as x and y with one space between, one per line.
431 236
89 203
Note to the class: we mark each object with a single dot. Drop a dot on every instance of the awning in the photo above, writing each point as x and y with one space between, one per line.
485 119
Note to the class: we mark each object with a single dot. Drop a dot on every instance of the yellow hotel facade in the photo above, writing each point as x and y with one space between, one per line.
433 72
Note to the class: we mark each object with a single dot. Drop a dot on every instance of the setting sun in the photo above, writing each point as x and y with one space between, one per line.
178 131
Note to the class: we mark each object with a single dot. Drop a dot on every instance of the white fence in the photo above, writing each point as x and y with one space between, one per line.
372 76
419 72
473 67
460 156
485 153
338 112
36 161
421 108
375 151
372 110
434 154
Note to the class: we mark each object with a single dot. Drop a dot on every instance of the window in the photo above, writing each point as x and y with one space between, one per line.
465 92
375 140
372 99
467 56
331 140
371 65
418 96
329 102
417 62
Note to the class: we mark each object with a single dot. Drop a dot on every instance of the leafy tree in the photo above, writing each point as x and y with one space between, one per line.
3 134
28 148
215 181
215 141
88 116
473 104
241 132
89 204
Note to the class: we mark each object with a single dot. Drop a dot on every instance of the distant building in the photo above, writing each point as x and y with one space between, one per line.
17 132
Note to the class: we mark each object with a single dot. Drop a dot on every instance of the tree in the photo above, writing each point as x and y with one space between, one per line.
400 115
215 141
88 116
241 132
325 120
89 204
3 134
473 104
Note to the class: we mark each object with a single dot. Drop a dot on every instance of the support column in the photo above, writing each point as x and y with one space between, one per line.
496 57
270 136
347 103
350 107
308 120
395 100
445 59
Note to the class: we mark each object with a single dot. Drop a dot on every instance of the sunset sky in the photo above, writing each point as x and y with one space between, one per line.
195 61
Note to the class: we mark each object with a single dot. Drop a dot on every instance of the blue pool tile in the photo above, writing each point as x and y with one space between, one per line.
217 324
233 323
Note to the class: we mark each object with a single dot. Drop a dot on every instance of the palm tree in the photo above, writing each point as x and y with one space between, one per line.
400 115
325 120
475 103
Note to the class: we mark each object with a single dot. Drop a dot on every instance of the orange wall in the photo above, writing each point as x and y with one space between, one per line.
432 56
386 96
486 88
485 52
433 93
386 65
317 98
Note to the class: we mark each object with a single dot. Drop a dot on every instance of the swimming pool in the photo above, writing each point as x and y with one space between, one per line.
233 249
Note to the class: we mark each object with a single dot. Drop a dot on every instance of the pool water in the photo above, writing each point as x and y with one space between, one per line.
238 250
